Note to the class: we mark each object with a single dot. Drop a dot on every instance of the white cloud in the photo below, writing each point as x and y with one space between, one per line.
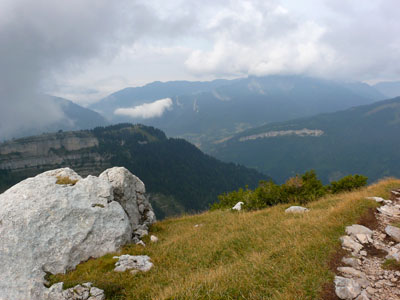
146 110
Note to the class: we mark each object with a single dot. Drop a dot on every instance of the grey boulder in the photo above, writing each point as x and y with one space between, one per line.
49 227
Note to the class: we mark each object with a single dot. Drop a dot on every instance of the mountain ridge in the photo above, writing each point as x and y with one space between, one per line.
357 140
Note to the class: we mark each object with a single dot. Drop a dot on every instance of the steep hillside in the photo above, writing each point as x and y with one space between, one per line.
202 112
178 176
264 254
361 140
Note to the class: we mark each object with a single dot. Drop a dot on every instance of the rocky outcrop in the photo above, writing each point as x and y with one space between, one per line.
362 277
50 227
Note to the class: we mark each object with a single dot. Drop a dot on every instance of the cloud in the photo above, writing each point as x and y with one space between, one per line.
43 39
146 110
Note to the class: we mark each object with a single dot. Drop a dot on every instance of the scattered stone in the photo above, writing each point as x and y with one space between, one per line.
140 242
389 210
346 288
371 290
84 291
128 262
355 229
347 271
363 296
153 238
374 282
363 238
351 261
238 206
393 232
349 243
296 209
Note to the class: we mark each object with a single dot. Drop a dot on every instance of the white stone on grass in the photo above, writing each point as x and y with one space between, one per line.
238 206
377 199
296 209
130 262
153 238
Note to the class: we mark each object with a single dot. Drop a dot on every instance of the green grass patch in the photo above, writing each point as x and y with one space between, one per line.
391 264
264 254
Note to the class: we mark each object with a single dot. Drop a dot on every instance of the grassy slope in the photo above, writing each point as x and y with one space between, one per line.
264 254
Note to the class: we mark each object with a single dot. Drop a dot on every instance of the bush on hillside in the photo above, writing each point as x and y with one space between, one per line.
300 189
348 183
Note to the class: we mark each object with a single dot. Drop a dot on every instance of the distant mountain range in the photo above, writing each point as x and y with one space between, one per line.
178 176
390 89
362 139
205 112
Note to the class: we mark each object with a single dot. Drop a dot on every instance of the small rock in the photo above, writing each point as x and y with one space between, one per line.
346 288
349 243
363 296
238 206
141 243
377 199
138 262
391 211
351 261
296 209
153 238
371 290
358 229
363 238
363 253
351 272
393 232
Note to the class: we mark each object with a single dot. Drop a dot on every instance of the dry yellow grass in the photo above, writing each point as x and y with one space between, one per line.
264 254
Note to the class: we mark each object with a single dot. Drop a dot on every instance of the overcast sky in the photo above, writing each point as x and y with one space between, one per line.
86 49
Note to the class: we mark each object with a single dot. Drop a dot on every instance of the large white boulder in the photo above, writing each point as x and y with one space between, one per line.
49 227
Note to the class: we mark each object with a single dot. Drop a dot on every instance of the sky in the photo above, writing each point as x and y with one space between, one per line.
84 50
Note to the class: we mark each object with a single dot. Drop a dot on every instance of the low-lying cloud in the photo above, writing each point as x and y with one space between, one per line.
147 110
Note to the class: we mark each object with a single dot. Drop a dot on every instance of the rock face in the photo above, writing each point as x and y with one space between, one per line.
49 227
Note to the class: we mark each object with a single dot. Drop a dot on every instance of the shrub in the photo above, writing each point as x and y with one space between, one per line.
303 189
348 183
300 189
